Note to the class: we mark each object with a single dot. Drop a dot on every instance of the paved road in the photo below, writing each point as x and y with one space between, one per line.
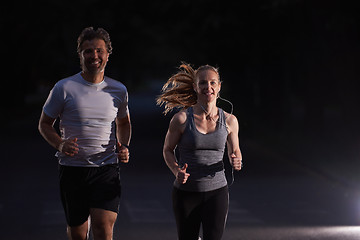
272 198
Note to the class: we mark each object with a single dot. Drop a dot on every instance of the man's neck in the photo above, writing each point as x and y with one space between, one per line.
93 78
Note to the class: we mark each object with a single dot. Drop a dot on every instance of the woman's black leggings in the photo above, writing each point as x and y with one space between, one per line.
194 208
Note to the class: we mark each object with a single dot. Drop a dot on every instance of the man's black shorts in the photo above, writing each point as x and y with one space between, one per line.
83 188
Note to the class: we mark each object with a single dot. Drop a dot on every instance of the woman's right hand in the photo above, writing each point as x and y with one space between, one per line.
182 176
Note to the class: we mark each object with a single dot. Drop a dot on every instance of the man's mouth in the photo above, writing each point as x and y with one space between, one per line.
95 63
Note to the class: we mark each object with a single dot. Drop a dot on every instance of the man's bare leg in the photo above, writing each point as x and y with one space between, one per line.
102 223
80 232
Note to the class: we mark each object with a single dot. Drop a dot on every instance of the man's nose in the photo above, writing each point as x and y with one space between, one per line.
94 54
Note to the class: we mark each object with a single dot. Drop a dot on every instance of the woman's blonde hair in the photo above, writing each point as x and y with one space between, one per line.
178 91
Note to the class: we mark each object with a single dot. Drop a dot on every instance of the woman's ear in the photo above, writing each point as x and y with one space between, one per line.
218 95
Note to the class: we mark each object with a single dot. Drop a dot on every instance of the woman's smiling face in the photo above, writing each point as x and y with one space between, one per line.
207 85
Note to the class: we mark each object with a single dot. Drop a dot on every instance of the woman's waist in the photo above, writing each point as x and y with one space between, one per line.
203 183
200 169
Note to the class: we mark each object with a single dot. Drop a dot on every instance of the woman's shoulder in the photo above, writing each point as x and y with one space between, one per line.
180 117
178 122
230 119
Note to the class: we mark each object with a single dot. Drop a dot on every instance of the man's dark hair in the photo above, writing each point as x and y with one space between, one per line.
89 34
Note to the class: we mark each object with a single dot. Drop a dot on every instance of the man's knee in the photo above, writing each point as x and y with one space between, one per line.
79 232
102 231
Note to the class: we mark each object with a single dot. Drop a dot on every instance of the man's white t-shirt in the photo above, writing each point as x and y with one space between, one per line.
87 112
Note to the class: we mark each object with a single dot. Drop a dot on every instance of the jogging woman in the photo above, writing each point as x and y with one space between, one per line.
200 132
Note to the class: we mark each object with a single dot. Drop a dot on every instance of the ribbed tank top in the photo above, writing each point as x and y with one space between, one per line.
200 151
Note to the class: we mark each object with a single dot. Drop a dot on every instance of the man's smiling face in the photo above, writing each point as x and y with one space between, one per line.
93 56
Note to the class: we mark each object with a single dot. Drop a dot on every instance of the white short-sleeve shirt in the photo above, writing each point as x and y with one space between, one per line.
87 112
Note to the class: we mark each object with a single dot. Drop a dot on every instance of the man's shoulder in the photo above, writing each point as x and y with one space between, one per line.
68 80
114 83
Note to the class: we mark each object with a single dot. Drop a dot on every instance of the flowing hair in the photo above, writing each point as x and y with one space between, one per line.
178 91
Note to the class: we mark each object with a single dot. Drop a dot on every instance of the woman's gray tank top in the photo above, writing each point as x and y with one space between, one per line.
202 152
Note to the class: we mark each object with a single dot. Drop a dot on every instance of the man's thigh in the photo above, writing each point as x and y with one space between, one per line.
85 188
102 223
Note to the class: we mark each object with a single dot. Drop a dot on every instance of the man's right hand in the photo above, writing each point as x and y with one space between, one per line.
69 147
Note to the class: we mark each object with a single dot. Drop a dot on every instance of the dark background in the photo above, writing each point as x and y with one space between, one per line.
287 66
290 68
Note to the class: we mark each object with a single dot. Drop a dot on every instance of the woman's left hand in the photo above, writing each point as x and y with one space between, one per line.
236 162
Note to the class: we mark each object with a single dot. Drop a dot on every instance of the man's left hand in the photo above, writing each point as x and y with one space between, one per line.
123 154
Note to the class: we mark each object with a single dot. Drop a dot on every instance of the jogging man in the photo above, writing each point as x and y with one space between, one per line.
94 122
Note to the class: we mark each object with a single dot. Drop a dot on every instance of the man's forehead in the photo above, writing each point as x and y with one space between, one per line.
93 43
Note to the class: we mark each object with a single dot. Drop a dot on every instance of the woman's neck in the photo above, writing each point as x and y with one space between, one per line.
208 110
